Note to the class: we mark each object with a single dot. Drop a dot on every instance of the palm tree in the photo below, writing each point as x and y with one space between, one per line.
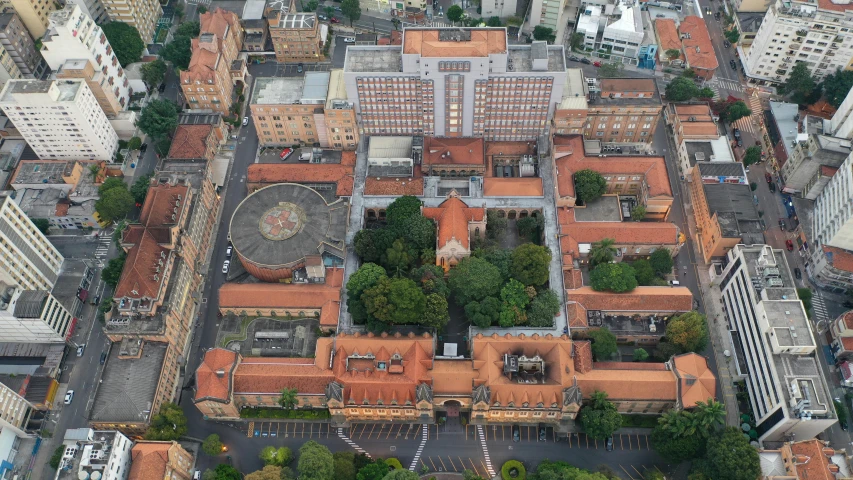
288 398
709 416
678 424
602 252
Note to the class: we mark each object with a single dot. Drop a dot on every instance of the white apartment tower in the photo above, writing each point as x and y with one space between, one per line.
774 347
142 14
74 35
32 316
456 82
841 124
59 119
832 220
819 33
27 258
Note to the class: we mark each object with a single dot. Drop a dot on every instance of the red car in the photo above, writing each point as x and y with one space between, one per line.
334 20
768 178
790 245
286 153
596 64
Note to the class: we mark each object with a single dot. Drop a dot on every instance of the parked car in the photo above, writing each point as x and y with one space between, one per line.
80 349
197 475
338 9
585 60
674 283
323 18
772 187
727 44
69 396
768 177
736 132
542 434
299 68
285 153
225 266
516 433
798 273
789 245
228 252
596 64
103 357
334 20
162 88
349 39
574 58
245 121
608 445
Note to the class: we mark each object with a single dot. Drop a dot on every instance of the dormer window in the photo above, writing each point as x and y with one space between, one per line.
381 366
365 402
525 405
497 404
554 405
510 404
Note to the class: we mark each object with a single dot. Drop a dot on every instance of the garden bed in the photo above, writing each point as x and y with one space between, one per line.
639 421
266 412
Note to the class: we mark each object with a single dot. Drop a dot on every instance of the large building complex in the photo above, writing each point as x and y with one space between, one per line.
773 344
33 316
297 37
27 258
75 47
817 33
831 248
19 46
102 454
15 414
34 13
207 83
455 82
60 119
142 14
152 460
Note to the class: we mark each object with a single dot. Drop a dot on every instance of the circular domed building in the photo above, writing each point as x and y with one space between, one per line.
275 229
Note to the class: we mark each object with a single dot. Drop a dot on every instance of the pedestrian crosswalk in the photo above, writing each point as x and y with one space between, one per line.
752 123
424 438
103 246
819 308
485 450
730 85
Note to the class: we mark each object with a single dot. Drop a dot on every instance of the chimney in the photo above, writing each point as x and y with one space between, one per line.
220 373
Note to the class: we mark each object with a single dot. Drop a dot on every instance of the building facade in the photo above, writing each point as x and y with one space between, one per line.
815 33
15 413
27 257
831 246
625 111
142 14
773 344
33 316
76 47
19 45
60 119
297 37
88 451
455 83
33 13
207 83
151 460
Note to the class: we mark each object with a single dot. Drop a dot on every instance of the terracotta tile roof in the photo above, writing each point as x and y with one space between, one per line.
190 141
161 203
570 158
685 110
704 129
395 186
831 5
627 85
848 319
264 375
329 314
452 217
202 65
463 151
828 171
247 296
348 157
484 41
452 377
624 233
583 356
218 22
668 37
264 174
847 343
140 278
209 383
577 315
812 459
651 384
512 187
62 209
641 299
396 37
698 383
510 148
629 366
838 258
572 278
698 47
149 460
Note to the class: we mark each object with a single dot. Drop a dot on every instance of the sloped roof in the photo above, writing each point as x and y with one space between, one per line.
698 47
698 383
483 42
270 375
512 187
642 299
623 384
190 142
452 217
213 376
140 278
250 296
271 173
623 233
812 459
219 22
668 37
395 186
463 151
202 65
839 258
453 377
149 460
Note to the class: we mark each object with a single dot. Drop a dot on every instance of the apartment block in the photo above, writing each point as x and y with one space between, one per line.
498 8
102 453
297 37
19 45
152 460
813 162
841 124
34 13
94 9
554 14
60 119
8 69
832 220
570 114
815 33
76 47
142 14
626 111
225 26
15 412
697 136
27 258
773 345
451 82
33 316
207 83
303 110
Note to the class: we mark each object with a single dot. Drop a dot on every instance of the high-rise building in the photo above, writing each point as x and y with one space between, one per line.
76 47
59 119
8 69
93 8
27 258
817 33
773 345
33 316
142 14
297 37
831 247
34 13
19 45
15 412
841 124
455 82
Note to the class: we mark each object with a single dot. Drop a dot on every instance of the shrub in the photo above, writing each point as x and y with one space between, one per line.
394 463
513 466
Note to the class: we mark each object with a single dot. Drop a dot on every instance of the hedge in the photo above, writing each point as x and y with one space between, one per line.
513 464
394 463
639 421
263 412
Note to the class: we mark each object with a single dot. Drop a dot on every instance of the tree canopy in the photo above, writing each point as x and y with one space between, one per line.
281 456
351 9
344 465
682 88
836 86
730 456
661 261
400 475
611 70
484 313
544 306
225 472
548 470
454 13
168 424
125 41
158 119
736 110
42 224
603 344
269 472
395 301
544 34
601 252
153 73
613 277
212 445
800 83
474 279
530 264
644 272
367 276
374 471
114 204
111 274
315 462
599 417
178 51
139 190
402 208
689 331
589 185
752 155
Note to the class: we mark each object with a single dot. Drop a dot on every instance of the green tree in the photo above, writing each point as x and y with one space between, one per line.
153 73
601 252
805 296
599 417
399 257
125 41
168 424
676 449
529 228
431 279
454 13
396 300
603 344
351 9
673 53
730 456
610 70
836 86
417 230
752 155
111 183
800 83
402 209
225 472
494 22
374 471
735 111
42 224
589 185
513 294
111 274
613 277
400 475
134 143
530 264
643 272
178 51
309 6
689 331
661 261
548 470
288 398
315 462
114 204
709 416
280 457
212 445
474 279
329 11
638 213
499 257
56 457
640 355
543 308
732 35
370 244
269 472
158 119
139 190
681 89
576 41
435 311
344 466
188 29
484 313
162 146
544 34
495 225
514 21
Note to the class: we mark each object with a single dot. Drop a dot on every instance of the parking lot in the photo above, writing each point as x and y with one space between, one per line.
292 69
454 463
528 434
306 430
388 431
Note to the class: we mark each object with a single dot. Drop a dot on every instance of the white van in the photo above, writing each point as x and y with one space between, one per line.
674 283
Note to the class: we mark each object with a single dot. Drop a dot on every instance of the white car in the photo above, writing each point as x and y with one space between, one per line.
349 40
225 266
69 395
228 251
80 350
245 121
